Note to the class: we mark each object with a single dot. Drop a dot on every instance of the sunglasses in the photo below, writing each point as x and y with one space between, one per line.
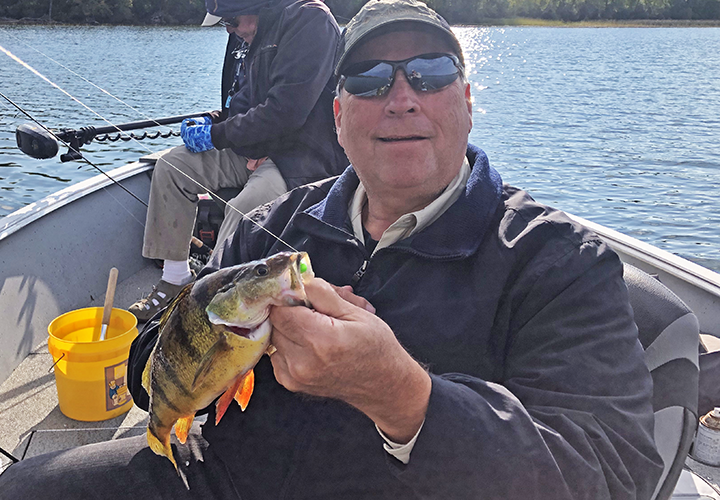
228 23
424 72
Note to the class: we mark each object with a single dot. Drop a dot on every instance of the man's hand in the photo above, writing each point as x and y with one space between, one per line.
252 164
195 133
342 350
215 116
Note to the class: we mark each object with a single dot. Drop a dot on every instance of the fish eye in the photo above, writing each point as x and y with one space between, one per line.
261 270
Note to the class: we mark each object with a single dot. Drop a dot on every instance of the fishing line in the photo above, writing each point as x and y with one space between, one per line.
91 83
198 183
122 205
33 70
68 145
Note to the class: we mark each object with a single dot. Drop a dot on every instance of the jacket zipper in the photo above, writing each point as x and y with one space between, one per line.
359 273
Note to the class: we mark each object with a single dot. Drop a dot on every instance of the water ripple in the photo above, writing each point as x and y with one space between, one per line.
619 126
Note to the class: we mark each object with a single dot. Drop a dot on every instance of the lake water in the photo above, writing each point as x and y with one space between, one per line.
620 126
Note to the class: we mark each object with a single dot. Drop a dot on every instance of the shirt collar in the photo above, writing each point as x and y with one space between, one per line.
413 222
475 208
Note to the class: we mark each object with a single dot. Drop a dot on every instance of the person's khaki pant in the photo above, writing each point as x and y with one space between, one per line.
174 196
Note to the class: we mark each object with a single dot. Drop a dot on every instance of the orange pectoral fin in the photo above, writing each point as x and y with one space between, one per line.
241 390
182 428
223 402
242 396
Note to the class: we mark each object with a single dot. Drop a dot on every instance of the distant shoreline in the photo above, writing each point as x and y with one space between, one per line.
513 22
608 23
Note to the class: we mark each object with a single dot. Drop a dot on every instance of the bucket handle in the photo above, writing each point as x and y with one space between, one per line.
56 362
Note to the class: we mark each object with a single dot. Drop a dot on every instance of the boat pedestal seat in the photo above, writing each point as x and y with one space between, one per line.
670 334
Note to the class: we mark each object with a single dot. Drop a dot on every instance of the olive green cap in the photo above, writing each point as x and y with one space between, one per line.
378 14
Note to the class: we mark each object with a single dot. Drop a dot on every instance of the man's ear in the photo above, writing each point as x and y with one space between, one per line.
468 101
337 112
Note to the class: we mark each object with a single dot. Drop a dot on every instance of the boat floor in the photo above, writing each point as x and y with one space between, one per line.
31 422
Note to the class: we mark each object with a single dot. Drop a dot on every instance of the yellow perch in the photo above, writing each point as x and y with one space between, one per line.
211 337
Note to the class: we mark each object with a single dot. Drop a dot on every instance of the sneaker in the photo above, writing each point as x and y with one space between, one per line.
162 294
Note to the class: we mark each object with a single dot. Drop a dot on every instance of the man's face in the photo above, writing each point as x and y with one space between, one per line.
246 27
405 142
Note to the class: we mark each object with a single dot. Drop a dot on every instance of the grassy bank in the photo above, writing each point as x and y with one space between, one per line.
635 23
510 21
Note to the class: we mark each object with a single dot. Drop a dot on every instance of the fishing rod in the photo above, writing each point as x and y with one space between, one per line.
46 137
41 143
41 140
50 135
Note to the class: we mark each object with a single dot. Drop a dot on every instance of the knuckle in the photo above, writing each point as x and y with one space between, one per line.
301 372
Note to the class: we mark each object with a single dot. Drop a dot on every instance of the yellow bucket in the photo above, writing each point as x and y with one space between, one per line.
91 374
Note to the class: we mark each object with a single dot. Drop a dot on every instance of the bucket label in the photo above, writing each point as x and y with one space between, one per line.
116 391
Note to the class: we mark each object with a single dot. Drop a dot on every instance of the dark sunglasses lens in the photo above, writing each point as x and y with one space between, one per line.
363 81
431 74
371 78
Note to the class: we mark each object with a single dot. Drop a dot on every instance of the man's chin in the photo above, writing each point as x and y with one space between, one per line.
404 151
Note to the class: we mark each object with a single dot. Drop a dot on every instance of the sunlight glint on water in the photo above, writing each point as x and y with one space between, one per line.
617 125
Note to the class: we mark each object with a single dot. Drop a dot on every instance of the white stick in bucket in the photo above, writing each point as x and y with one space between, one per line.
109 299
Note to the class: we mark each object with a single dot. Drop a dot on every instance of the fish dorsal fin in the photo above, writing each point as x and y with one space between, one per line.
171 307
147 372
146 382
218 348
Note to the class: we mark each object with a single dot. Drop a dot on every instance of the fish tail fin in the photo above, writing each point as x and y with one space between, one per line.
161 447
182 427
242 396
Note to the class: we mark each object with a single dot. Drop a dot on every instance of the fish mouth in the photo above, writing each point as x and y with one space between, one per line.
293 279
238 330
251 333
226 309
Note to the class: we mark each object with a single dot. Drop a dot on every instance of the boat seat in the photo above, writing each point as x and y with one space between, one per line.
670 334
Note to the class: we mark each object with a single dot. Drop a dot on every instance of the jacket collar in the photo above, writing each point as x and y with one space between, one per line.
447 237
268 16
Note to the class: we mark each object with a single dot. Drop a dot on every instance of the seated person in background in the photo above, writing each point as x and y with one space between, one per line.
486 349
278 133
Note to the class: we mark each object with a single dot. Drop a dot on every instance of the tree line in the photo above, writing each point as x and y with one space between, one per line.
191 12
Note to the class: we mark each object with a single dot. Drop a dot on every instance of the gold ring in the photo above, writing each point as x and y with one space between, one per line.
271 349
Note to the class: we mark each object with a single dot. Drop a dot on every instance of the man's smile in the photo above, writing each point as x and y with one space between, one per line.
403 138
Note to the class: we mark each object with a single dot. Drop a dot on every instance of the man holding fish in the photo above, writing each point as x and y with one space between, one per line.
462 340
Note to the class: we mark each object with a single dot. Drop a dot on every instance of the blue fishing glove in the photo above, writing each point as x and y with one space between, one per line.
195 133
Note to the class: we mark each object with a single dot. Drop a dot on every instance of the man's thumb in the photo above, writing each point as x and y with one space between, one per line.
326 300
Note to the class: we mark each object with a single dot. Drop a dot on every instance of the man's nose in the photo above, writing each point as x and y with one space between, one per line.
401 98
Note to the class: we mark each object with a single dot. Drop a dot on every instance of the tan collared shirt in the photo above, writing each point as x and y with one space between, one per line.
405 226
413 222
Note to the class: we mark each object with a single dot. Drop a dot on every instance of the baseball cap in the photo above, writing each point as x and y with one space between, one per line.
377 16
210 20
218 9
